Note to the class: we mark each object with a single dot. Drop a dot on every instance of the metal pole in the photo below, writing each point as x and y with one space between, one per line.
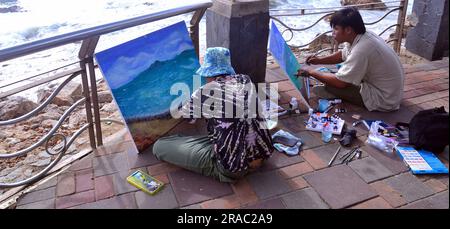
194 29
97 123
88 103
86 54
401 24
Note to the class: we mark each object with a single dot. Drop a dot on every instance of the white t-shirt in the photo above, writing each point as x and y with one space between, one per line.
371 63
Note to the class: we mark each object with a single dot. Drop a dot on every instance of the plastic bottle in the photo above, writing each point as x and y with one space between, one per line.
327 133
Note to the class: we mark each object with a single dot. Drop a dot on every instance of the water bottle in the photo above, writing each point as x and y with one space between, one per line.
327 133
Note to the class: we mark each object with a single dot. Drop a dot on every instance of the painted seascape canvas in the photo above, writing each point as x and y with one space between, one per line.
140 74
284 55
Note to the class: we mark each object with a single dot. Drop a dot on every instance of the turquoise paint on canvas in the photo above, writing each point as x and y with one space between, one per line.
141 72
284 56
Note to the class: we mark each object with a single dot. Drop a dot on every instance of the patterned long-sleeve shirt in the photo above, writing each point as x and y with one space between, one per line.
236 129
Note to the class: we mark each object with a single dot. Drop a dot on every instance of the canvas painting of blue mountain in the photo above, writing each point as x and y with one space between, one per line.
140 74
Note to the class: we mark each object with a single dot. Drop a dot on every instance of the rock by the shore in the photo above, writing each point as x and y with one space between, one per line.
15 107
380 6
66 97
322 42
104 97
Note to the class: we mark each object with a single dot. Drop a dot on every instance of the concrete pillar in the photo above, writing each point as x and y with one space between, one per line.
429 38
243 27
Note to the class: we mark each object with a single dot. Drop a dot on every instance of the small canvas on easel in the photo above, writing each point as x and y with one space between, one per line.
140 74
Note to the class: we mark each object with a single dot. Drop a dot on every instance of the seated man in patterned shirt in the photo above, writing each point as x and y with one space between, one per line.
237 142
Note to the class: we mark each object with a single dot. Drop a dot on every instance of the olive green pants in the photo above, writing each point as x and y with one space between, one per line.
194 153
350 94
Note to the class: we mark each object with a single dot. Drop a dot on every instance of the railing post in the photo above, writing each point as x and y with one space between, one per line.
97 123
85 55
194 29
87 103
401 24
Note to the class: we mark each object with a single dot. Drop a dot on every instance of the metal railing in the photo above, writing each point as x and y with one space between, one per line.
89 38
326 12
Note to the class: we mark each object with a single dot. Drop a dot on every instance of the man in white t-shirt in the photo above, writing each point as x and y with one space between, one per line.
371 74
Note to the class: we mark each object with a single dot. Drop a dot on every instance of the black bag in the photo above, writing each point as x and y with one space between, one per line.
428 130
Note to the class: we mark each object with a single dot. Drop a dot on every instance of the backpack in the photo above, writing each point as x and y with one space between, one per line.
428 130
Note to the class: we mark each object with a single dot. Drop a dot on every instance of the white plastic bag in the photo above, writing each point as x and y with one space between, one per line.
379 141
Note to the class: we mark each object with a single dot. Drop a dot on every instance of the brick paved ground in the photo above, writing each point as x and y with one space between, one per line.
378 180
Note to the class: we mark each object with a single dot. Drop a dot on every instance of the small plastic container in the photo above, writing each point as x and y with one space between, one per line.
323 105
327 132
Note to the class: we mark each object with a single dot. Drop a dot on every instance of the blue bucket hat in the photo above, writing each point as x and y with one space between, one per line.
217 62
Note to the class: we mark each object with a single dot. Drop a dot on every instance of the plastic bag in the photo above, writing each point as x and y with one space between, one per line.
379 141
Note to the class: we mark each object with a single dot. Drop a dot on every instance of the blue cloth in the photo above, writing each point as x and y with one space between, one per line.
217 62
294 150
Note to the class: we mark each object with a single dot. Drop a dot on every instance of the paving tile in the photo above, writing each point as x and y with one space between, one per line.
376 203
104 187
279 160
340 186
35 196
314 160
438 201
137 160
75 199
121 184
295 170
110 164
48 184
82 164
370 169
304 199
389 160
409 186
244 192
224 202
319 157
193 206
268 184
164 199
276 203
392 196
436 185
84 180
309 140
298 183
162 168
190 187
292 124
125 201
442 178
43 204
66 184
401 115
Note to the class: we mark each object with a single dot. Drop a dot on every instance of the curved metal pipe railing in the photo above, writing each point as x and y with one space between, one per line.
47 136
42 106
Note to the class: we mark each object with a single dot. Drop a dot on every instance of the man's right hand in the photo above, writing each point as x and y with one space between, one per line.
312 60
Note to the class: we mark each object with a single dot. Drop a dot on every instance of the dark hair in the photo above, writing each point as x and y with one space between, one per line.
349 17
